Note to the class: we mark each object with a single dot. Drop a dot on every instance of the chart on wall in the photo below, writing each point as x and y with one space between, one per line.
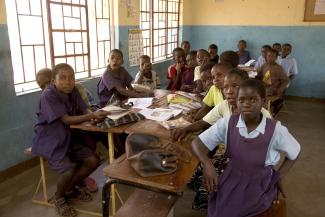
135 46
315 10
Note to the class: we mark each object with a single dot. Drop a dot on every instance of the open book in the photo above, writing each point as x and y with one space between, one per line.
191 96
116 112
160 114
141 102
248 64
186 107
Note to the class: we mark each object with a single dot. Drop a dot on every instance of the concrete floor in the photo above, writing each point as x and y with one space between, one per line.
304 185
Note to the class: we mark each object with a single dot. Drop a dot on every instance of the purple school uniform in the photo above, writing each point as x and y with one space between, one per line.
106 86
53 139
247 187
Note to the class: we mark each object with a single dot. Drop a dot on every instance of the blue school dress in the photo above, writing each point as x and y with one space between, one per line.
247 187
52 139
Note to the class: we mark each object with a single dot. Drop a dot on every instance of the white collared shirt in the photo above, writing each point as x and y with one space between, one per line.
289 64
281 141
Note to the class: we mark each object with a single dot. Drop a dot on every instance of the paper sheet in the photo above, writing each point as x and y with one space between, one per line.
141 102
319 7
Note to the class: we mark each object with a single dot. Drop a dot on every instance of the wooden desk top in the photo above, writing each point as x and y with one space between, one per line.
89 127
175 183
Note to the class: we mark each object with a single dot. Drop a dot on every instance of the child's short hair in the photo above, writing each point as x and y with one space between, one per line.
256 85
184 42
266 46
276 44
207 67
238 72
273 51
287 45
224 65
45 71
116 51
179 49
144 57
59 67
230 57
242 41
205 52
192 53
213 46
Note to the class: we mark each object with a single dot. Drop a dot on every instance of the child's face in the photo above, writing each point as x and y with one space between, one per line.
178 57
115 60
43 81
145 65
286 50
241 46
64 81
191 60
186 47
202 58
213 53
249 103
206 79
231 87
218 76
271 57
277 47
264 51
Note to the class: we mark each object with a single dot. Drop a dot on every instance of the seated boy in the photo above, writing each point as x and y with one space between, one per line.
243 54
188 78
213 51
273 76
202 57
288 62
214 96
146 76
277 46
262 59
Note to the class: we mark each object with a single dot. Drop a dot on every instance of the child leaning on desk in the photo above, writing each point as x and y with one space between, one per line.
68 152
116 81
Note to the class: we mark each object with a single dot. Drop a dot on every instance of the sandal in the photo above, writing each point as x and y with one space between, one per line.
63 208
79 194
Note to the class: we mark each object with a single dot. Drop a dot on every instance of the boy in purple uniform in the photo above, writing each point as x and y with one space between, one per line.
116 81
69 153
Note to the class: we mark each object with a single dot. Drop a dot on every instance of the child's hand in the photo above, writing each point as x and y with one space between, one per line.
280 189
170 162
179 134
100 115
210 177
179 67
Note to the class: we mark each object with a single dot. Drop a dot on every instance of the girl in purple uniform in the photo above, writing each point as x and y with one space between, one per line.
69 153
249 184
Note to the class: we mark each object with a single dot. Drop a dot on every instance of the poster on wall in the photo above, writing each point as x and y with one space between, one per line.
319 7
315 10
135 42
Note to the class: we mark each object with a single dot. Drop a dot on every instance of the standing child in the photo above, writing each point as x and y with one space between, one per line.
288 62
214 96
177 70
249 184
146 76
213 51
188 78
186 46
243 54
67 152
116 81
262 59
273 75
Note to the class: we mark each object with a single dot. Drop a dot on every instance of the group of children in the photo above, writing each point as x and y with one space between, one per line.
232 116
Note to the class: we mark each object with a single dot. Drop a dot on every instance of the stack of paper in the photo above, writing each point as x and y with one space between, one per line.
141 103
186 107
160 114
116 112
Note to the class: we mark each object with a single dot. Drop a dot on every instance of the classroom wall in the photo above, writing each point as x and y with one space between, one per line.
17 113
224 22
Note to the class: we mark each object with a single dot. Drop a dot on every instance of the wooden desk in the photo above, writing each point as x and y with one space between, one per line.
120 129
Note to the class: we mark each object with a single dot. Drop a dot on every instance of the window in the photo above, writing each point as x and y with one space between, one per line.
159 22
44 33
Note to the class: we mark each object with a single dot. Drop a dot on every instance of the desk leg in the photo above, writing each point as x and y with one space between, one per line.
111 147
106 195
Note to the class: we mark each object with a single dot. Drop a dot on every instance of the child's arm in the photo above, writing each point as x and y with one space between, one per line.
202 112
284 81
139 77
180 134
210 176
179 75
97 115
199 86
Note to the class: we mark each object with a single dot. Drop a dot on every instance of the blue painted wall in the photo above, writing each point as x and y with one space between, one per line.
17 113
308 48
